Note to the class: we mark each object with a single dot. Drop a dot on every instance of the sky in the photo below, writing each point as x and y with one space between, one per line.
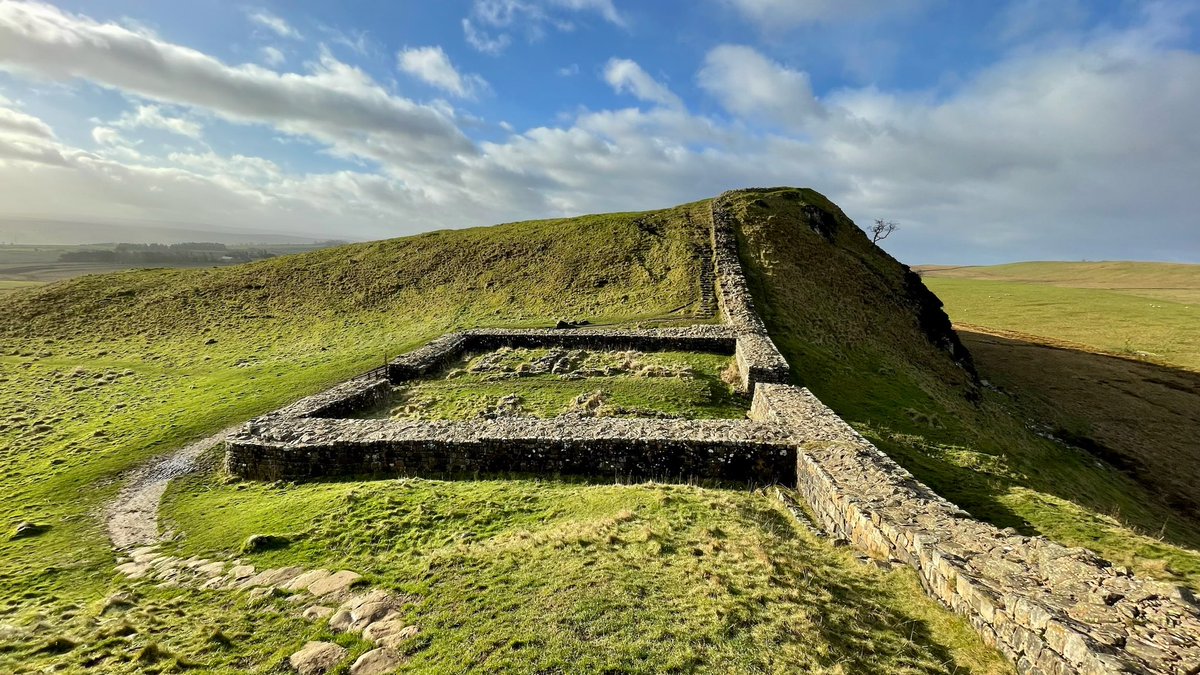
991 131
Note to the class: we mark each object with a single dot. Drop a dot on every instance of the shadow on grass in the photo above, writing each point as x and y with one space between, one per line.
1139 417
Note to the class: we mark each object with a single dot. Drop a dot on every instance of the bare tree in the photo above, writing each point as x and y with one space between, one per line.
882 228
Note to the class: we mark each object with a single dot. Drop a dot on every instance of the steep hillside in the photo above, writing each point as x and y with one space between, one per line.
101 373
850 323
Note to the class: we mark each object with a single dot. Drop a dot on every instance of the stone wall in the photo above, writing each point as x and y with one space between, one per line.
759 360
1049 608
305 449
439 353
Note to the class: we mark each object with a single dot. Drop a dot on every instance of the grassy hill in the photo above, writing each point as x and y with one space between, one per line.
523 574
103 372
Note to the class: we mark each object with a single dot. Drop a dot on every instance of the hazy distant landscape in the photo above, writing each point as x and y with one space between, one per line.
25 266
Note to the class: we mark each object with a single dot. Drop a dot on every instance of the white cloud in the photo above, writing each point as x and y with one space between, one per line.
107 136
17 123
432 66
773 15
275 24
272 56
1086 149
626 76
751 85
489 24
568 71
483 41
152 117
335 103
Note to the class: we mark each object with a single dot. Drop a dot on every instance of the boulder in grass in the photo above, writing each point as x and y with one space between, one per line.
23 530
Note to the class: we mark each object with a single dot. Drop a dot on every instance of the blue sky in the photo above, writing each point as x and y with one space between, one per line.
992 131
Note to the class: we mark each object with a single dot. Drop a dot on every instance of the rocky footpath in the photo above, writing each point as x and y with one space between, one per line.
340 597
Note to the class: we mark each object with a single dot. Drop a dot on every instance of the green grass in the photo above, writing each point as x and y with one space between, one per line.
623 384
1160 281
1111 321
6 285
844 320
548 576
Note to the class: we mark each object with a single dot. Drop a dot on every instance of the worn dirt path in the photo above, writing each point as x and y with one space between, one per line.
132 518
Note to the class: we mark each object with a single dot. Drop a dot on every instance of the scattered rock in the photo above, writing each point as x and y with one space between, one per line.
340 621
394 640
377 662
242 571
303 581
23 530
317 658
264 542
334 583
318 612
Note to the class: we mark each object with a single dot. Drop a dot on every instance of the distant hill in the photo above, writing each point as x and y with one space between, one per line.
61 232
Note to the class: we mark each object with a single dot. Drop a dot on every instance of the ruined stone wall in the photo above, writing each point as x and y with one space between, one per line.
439 353
759 360
1049 608
305 449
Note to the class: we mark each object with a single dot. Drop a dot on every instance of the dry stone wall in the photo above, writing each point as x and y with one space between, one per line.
1049 608
758 359
724 450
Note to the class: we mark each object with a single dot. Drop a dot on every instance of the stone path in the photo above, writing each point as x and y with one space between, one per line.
132 518
341 597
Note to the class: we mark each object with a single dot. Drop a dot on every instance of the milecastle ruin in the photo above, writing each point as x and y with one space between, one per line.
1049 608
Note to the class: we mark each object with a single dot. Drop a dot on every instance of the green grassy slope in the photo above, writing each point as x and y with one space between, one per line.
840 311
102 373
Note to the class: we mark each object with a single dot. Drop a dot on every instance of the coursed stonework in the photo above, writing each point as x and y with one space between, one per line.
1049 608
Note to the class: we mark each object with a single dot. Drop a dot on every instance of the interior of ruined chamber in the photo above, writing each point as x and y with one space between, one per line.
553 381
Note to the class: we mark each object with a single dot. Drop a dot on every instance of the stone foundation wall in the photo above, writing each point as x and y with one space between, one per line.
1049 608
723 450
439 353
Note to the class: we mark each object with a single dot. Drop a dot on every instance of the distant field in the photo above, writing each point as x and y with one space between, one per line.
1147 311
40 264
7 285
1159 281
1105 356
